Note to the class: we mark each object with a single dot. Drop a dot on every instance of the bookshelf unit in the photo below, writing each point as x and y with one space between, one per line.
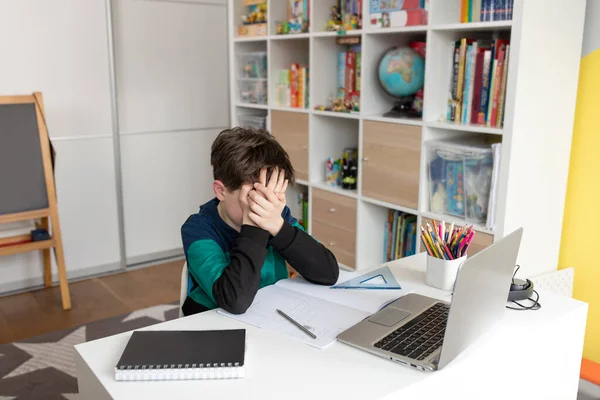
392 171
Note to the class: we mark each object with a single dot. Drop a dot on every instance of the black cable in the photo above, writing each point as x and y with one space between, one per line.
534 307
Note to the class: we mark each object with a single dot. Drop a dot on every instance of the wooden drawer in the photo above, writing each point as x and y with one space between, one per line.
291 131
334 210
391 163
480 240
341 243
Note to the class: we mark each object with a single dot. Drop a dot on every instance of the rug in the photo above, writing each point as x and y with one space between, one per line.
43 367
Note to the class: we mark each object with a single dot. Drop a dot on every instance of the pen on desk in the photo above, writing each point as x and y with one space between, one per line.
303 329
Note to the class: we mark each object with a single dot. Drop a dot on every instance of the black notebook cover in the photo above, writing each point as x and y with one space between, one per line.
184 349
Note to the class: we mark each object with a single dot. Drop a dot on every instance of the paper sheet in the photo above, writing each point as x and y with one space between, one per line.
323 318
369 301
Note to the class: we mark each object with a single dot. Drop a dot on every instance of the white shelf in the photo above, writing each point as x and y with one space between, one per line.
402 121
390 205
335 189
302 182
251 105
335 114
314 136
252 79
403 29
474 26
465 128
457 221
355 32
250 39
291 36
290 109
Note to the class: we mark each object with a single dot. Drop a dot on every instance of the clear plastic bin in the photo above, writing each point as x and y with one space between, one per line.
252 65
253 91
252 121
460 177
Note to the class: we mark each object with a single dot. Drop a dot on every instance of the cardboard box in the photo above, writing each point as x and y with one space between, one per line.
396 19
253 30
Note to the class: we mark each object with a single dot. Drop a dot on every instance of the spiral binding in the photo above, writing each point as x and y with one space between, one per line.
179 372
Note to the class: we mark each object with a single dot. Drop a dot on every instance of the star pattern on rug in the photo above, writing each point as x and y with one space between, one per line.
156 312
59 355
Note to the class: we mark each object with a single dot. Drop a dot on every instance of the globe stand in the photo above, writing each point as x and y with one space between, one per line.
402 108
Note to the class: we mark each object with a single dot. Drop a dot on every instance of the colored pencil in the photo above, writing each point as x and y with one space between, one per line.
446 242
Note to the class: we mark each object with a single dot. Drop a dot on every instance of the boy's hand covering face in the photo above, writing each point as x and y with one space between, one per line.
267 201
244 202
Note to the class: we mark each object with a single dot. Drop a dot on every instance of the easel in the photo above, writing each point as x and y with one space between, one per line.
48 216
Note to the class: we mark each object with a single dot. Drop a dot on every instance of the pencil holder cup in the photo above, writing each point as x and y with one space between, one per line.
442 273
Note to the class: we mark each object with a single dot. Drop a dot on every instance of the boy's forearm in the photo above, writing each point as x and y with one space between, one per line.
308 257
235 289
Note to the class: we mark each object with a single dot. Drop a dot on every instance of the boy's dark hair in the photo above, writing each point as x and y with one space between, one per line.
237 155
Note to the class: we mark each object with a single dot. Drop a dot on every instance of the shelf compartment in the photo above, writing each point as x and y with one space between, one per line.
329 138
284 53
374 100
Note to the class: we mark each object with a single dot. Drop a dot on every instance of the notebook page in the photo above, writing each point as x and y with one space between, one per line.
368 300
325 319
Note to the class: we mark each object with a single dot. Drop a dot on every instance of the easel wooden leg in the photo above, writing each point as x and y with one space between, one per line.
60 261
46 253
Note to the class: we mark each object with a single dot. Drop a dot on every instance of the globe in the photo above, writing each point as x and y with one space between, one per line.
401 72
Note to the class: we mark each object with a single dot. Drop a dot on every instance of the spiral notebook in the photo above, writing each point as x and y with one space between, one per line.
181 355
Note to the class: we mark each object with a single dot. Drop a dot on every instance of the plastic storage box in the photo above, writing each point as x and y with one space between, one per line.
253 91
252 65
460 177
252 121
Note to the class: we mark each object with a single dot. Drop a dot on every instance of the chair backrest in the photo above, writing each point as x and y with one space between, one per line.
184 287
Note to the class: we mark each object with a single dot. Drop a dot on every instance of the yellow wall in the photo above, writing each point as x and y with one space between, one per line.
580 247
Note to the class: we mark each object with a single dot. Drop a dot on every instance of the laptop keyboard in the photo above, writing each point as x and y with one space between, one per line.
419 337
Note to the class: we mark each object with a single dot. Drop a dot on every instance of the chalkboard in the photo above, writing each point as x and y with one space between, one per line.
22 182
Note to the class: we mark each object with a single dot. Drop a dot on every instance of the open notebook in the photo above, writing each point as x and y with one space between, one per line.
324 312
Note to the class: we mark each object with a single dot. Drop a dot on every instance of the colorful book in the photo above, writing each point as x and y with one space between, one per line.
341 75
502 100
350 67
394 235
476 103
461 69
386 228
294 84
399 237
485 86
472 61
491 94
357 71
465 95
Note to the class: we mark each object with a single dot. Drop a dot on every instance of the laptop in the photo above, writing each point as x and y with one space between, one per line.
425 333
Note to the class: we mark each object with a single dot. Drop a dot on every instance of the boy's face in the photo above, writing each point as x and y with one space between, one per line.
229 204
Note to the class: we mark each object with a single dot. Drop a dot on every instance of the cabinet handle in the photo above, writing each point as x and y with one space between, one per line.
365 159
332 210
304 147
332 244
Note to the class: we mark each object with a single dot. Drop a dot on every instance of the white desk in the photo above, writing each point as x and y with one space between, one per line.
529 355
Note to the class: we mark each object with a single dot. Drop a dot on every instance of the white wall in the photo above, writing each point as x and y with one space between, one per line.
171 70
59 47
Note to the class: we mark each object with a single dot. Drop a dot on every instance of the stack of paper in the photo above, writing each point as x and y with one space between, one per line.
324 312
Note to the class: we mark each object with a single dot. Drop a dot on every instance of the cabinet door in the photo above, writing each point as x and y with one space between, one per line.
391 163
334 210
291 130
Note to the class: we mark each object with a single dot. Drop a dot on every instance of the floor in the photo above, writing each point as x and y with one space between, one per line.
37 312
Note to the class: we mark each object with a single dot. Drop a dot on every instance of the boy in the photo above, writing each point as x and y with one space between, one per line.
240 241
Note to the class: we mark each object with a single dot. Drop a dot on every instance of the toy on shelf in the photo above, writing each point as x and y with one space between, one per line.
343 172
297 19
292 90
254 22
397 13
253 92
347 96
345 16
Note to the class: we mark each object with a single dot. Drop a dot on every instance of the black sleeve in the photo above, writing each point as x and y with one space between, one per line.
235 289
310 258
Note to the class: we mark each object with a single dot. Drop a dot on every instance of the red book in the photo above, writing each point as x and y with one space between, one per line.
350 66
476 102
294 85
